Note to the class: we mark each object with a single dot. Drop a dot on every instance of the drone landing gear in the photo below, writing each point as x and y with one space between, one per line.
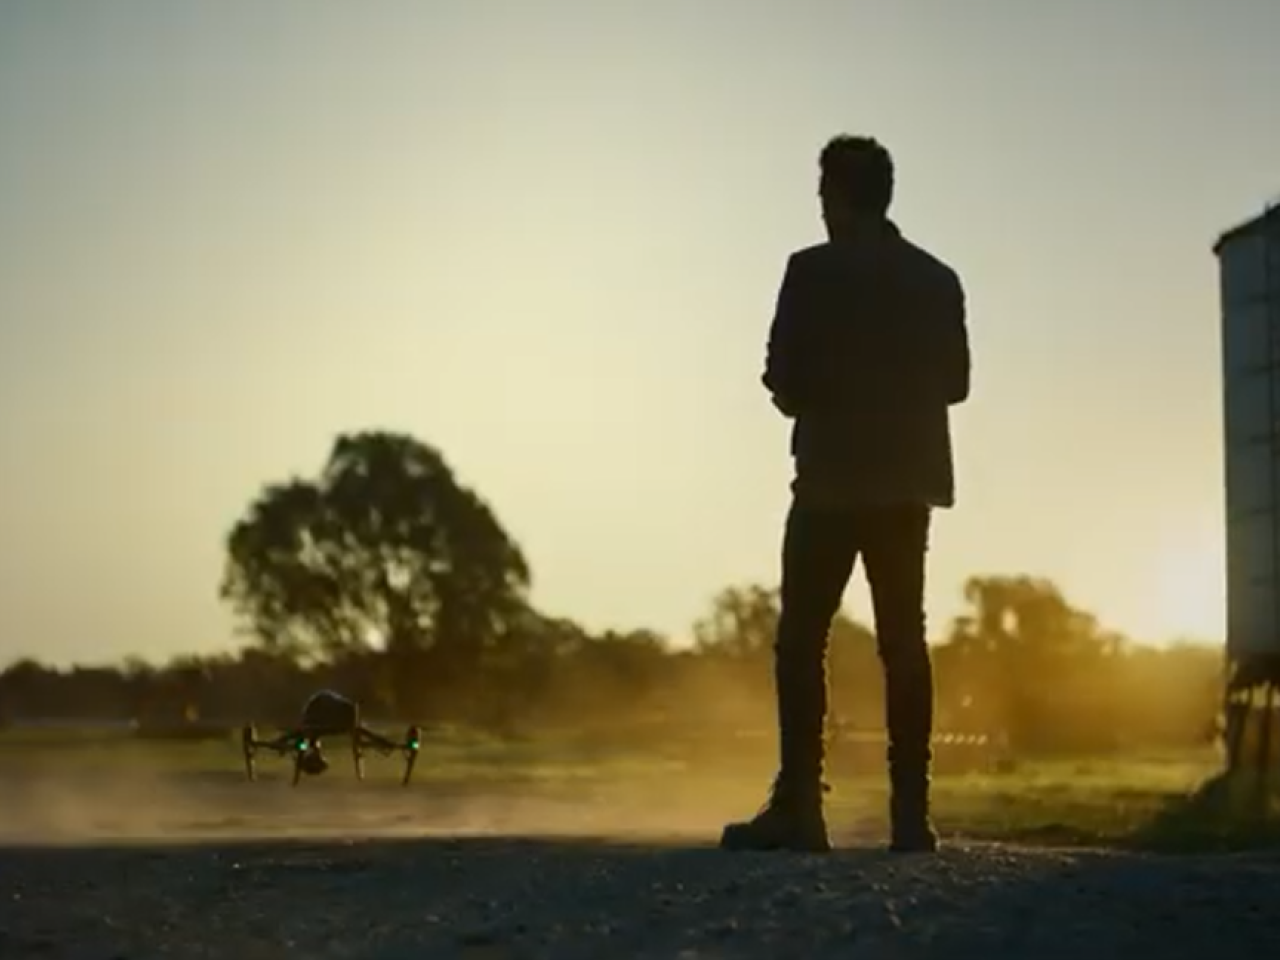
300 743
412 741
408 748
249 744
295 743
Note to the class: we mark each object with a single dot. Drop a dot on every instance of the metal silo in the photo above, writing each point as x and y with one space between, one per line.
1249 291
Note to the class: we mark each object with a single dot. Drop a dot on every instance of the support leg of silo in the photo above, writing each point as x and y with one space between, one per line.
1237 707
1261 772
1266 738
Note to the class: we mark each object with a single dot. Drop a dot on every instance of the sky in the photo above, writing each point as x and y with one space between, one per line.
546 238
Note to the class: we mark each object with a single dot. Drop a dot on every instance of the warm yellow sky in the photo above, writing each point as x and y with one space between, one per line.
546 238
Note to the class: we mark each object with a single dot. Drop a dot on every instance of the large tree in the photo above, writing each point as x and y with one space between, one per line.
385 548
1026 660
741 625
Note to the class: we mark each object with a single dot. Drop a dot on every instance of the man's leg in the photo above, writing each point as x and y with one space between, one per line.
818 554
895 547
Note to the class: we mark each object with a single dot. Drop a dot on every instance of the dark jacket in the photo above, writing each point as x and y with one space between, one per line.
868 351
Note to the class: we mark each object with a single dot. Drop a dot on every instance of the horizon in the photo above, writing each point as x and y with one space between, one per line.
230 235
234 651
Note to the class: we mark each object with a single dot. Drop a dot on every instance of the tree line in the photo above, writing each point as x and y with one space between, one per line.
386 578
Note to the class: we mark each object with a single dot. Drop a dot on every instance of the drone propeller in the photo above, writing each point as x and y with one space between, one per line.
412 742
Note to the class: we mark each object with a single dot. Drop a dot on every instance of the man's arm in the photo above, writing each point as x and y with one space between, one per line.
956 361
784 374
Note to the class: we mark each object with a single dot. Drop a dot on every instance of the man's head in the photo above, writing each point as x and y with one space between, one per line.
856 182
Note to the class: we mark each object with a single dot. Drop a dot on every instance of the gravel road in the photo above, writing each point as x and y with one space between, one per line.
574 898
276 879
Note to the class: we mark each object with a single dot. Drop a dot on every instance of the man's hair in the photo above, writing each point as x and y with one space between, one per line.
857 173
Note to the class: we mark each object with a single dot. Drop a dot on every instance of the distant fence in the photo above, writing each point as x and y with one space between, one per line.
953 751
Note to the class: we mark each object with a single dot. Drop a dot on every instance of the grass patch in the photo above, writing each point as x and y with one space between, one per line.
1100 802
1172 803
1225 814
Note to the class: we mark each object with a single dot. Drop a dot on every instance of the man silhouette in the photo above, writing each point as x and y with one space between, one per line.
867 352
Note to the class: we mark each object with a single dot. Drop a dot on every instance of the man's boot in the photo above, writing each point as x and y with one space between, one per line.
912 830
909 703
792 819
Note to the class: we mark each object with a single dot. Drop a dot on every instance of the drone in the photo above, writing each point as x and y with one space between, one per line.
328 715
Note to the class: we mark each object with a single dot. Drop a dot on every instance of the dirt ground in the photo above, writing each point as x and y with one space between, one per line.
192 865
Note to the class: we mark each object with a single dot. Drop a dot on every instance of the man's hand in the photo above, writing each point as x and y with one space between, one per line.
786 368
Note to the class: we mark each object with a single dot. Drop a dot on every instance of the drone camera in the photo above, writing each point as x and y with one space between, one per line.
313 763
